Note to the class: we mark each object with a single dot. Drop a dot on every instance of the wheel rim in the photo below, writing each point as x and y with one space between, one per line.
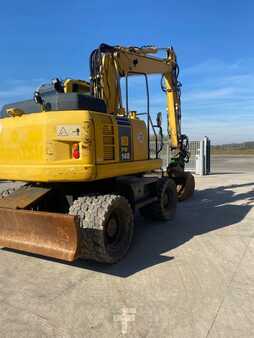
116 234
113 230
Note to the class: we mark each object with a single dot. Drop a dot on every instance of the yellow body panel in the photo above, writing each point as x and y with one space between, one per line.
38 147
120 169
140 145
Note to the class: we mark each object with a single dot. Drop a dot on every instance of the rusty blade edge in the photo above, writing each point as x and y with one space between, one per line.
48 234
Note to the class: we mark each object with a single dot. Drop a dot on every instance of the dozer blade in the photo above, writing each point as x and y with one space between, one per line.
48 234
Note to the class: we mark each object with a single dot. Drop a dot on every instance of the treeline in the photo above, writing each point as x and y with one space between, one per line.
234 148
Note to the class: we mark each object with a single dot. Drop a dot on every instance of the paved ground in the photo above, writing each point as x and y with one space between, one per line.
228 163
190 278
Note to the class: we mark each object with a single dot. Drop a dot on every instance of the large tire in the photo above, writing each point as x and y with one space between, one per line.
186 188
106 223
164 208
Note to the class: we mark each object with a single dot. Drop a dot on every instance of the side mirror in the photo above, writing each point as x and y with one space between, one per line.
159 119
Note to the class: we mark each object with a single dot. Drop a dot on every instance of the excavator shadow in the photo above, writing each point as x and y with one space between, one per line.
210 209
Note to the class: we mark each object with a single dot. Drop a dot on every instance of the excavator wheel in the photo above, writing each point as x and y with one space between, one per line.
185 187
106 223
165 207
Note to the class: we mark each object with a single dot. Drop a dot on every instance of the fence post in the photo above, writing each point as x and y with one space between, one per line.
207 155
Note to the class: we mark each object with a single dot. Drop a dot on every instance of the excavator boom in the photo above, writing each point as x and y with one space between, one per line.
110 64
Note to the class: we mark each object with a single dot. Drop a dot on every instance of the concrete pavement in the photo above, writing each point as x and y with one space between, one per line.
193 277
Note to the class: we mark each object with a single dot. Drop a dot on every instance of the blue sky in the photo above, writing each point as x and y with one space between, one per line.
213 41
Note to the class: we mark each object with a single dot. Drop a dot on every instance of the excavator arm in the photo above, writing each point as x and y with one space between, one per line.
109 64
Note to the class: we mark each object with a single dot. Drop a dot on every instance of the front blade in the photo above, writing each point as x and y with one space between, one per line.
48 234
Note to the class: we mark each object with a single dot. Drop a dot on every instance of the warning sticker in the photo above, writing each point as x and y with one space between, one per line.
68 130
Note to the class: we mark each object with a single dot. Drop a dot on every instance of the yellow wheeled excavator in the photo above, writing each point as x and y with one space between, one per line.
86 160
